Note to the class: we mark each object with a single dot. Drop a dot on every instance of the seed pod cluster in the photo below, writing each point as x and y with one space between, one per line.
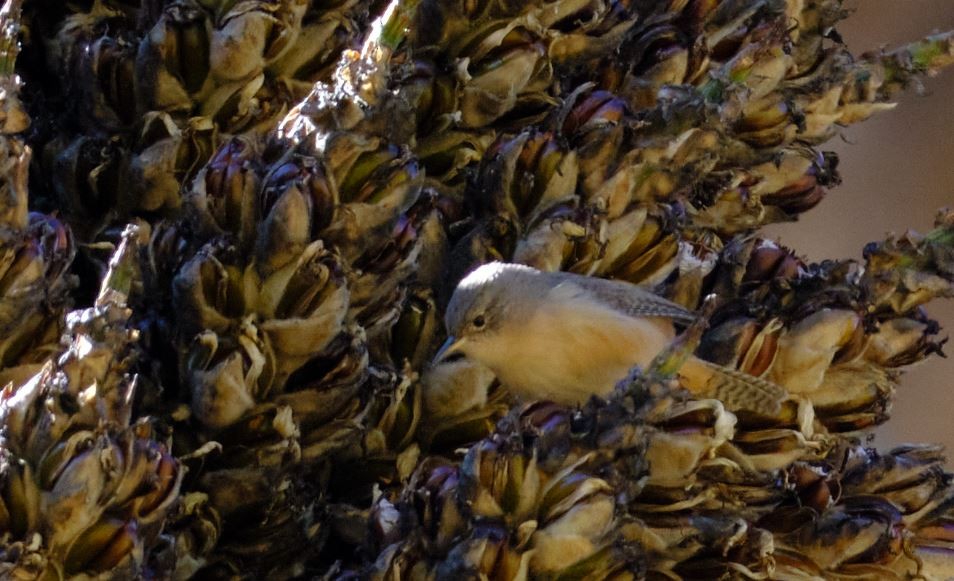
87 486
154 89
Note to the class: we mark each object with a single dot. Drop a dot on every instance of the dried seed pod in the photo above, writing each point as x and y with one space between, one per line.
595 122
901 342
632 139
174 59
34 278
859 529
252 35
854 396
456 387
526 175
450 156
744 344
13 187
210 290
376 184
225 190
903 273
414 249
102 547
171 156
302 307
932 548
687 433
105 83
226 378
311 54
505 66
911 477
554 240
767 123
582 33
808 348
637 247
413 335
13 116
658 56
74 474
297 203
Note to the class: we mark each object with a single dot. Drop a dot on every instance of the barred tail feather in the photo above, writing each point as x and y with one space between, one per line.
736 389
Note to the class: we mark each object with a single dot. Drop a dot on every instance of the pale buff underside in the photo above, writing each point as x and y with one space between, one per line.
573 348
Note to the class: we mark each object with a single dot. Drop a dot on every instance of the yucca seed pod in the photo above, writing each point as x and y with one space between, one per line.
170 154
527 176
36 250
36 282
376 182
414 334
596 123
105 76
456 387
297 202
251 35
551 523
173 60
225 191
326 30
303 307
914 480
931 547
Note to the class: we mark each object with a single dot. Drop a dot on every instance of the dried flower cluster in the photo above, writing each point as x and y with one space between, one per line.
228 229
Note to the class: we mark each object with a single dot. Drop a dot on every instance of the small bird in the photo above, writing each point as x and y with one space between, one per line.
564 337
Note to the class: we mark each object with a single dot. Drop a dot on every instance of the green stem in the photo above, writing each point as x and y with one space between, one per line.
394 29
923 57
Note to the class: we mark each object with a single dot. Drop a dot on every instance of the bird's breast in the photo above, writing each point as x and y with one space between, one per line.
566 354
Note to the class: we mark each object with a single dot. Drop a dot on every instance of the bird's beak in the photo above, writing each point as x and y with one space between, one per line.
451 346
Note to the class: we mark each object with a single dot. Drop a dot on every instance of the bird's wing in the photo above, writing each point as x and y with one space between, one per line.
622 297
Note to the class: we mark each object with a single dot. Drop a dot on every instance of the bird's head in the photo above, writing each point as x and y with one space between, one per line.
490 300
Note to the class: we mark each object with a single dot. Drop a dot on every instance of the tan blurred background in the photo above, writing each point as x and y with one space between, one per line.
898 169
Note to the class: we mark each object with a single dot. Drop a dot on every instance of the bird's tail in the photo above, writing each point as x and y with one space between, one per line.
736 389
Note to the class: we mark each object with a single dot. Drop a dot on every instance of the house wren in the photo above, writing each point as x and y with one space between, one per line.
564 337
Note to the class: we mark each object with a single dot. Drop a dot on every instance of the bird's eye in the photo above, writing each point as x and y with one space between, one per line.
479 322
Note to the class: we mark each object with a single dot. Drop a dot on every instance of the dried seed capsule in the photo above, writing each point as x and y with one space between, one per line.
211 291
224 192
302 307
106 70
172 156
297 203
226 380
174 59
526 175
503 67
807 349
251 35
102 547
